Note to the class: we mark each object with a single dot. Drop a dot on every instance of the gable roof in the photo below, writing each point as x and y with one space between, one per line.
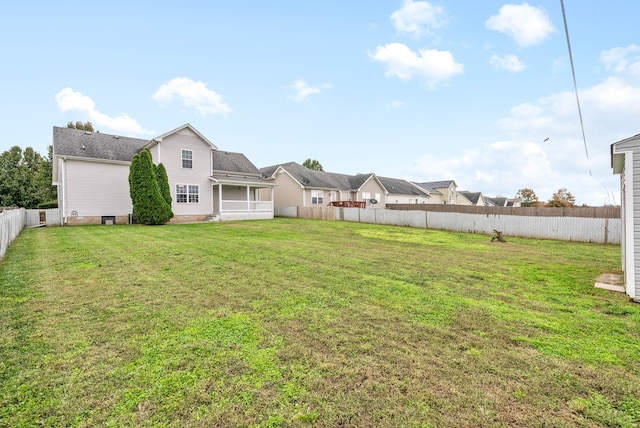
94 145
473 197
401 187
497 201
433 186
236 163
181 128
317 179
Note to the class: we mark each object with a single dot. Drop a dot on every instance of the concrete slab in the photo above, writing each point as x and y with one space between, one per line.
610 281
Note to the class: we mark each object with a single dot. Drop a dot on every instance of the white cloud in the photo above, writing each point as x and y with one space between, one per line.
527 25
397 104
522 158
193 95
303 90
432 65
415 16
507 62
70 100
621 60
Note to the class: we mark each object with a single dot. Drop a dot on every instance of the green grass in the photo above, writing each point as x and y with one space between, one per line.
311 323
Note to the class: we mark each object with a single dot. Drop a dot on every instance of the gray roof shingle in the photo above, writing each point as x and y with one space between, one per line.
94 145
473 197
236 163
316 179
401 187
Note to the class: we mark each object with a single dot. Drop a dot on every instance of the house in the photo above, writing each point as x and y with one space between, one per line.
91 170
500 201
470 198
400 191
625 160
441 192
297 185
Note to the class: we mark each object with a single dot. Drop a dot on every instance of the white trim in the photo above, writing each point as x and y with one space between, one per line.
628 228
81 158
187 185
175 131
182 159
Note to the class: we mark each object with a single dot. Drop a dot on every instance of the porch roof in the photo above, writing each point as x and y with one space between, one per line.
240 181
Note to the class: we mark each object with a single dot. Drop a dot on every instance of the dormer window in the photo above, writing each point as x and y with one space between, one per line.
187 158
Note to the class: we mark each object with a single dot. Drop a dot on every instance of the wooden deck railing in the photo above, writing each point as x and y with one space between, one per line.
348 204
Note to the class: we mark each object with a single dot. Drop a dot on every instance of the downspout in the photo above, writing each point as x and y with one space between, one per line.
64 192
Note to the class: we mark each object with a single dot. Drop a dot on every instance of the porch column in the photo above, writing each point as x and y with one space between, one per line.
248 199
220 198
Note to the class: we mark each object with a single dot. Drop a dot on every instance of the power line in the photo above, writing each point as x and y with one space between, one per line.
575 85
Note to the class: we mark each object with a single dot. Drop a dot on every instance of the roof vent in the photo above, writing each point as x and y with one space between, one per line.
116 137
83 147
87 132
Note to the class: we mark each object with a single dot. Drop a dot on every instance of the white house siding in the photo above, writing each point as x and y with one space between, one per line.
406 199
97 189
169 153
630 188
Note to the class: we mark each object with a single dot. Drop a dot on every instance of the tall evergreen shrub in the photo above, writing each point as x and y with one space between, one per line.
163 184
149 206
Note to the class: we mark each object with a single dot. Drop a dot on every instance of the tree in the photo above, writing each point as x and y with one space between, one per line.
25 178
312 164
562 198
149 206
163 185
86 126
528 197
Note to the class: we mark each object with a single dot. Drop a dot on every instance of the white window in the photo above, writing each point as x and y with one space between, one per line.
317 197
366 196
187 193
377 198
187 158
332 196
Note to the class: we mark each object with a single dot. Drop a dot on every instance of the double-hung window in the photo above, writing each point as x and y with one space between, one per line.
317 197
187 193
187 158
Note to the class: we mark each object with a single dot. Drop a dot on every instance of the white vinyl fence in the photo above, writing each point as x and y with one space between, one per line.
49 217
11 224
605 230
14 220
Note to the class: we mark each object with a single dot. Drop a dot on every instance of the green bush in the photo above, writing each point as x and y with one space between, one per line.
47 205
149 206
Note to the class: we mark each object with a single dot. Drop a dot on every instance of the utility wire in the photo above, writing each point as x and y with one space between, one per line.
575 85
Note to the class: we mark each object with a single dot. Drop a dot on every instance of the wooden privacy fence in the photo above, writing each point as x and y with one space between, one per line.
598 225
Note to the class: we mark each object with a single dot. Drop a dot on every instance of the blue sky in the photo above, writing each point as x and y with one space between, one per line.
425 91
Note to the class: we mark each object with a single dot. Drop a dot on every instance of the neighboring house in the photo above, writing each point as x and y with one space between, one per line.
625 160
500 201
297 185
400 191
91 170
470 198
441 192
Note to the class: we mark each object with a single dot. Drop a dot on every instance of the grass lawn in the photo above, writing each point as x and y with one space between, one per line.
312 323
